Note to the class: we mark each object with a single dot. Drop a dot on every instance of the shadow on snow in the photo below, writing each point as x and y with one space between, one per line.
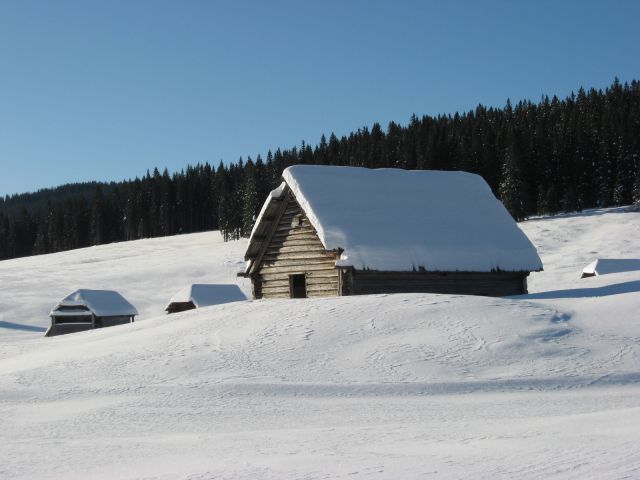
617 289
21 326
421 388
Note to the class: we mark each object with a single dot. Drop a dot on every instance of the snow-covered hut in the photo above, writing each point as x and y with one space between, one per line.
87 309
329 230
604 266
202 295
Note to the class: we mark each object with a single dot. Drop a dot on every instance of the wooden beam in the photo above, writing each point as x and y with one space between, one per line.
281 209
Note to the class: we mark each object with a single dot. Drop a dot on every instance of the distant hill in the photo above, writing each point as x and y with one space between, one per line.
12 204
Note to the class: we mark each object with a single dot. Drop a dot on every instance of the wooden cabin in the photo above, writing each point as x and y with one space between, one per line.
88 309
201 295
329 231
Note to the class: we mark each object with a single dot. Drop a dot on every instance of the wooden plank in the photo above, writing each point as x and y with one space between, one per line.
298 241
323 286
308 248
302 231
258 260
283 281
287 217
319 274
295 231
291 269
289 230
302 256
268 291
313 260
307 243
290 265
325 291
276 295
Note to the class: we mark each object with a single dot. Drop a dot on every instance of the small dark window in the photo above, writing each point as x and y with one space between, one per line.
298 286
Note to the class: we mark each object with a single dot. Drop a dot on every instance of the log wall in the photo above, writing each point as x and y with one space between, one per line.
294 248
493 284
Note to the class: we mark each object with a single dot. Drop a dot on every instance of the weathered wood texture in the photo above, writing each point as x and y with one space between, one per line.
63 329
112 321
493 284
176 307
294 248
64 325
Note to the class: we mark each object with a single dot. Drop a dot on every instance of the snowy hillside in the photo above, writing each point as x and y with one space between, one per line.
396 386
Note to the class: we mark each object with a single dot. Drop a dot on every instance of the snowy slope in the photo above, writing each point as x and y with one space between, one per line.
397 386
146 272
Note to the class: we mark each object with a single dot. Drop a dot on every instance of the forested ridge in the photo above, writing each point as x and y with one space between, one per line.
554 155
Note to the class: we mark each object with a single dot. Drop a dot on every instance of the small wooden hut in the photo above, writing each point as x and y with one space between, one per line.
605 266
330 230
88 309
201 295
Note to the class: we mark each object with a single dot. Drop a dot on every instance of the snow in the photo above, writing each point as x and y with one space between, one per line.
400 220
102 303
273 194
604 266
203 295
545 385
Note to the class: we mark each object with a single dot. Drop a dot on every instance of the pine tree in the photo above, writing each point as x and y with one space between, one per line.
512 185
250 199
97 222
636 189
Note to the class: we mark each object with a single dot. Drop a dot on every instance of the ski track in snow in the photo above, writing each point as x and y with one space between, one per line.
380 386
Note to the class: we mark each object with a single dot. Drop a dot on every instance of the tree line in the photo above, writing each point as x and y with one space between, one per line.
554 155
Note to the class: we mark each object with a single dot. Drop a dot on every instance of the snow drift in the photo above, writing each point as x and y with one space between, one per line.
545 385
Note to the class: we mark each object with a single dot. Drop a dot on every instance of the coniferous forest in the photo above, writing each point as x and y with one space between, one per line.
554 155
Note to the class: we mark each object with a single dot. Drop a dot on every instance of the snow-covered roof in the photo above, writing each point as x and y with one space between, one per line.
400 220
604 266
203 295
102 303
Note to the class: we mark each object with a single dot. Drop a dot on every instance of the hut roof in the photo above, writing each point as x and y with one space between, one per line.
203 295
102 303
401 220
604 266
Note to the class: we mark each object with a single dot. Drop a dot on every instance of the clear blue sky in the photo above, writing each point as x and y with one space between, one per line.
104 90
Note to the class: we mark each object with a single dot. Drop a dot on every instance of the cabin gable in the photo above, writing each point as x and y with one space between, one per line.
292 262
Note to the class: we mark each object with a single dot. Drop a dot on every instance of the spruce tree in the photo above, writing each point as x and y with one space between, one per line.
512 185
250 199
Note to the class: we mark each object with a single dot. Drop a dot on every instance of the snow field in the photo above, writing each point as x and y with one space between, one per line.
383 386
